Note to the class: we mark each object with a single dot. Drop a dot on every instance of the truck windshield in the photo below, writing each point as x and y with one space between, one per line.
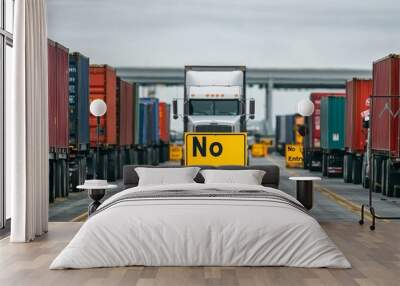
213 107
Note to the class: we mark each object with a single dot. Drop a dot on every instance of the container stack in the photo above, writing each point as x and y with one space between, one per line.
58 119
164 110
312 139
125 107
332 135
103 86
358 92
133 130
78 118
150 137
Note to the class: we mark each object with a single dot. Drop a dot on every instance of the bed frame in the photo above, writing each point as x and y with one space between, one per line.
270 179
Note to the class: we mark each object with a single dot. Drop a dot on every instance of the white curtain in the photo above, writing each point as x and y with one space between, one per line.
27 124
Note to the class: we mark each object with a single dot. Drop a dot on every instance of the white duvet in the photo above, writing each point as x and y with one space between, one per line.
200 231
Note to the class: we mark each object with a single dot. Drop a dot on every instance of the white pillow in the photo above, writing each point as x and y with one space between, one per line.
248 177
166 176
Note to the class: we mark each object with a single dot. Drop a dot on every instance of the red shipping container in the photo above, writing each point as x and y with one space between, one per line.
316 97
103 83
358 92
58 77
125 112
385 112
164 121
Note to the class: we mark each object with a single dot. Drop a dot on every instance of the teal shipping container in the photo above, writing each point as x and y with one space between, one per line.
332 123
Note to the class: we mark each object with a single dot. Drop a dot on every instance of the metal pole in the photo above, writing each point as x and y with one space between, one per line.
97 146
268 107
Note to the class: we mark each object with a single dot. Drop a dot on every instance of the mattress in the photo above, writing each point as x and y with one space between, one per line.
201 225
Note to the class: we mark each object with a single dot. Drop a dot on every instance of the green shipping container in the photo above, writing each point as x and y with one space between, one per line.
332 123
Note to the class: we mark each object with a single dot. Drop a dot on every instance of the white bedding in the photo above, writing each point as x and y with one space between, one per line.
200 231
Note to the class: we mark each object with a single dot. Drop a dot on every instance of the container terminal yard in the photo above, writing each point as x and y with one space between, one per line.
191 144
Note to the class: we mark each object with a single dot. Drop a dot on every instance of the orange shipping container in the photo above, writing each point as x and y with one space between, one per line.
164 121
103 86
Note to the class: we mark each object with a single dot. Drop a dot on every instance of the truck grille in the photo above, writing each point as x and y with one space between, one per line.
214 128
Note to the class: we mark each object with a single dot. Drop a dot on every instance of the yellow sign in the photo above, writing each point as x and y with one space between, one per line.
266 141
258 150
175 152
215 149
294 156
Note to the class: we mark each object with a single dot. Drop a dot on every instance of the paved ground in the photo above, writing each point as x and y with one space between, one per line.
334 200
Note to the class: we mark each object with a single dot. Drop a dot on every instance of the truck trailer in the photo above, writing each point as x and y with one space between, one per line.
215 100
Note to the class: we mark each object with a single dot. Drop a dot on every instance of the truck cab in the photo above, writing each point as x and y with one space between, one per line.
215 99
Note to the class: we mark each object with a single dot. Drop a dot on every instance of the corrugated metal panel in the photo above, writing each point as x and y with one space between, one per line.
385 110
282 131
277 129
103 86
154 136
332 123
62 89
78 100
143 123
290 131
129 114
124 112
136 114
164 118
314 129
58 67
357 93
52 93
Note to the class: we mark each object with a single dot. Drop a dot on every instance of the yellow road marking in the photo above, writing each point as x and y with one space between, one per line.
79 218
340 200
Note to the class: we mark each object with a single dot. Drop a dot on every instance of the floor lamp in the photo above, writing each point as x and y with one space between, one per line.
97 108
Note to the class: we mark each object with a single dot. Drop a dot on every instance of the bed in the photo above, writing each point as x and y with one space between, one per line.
198 224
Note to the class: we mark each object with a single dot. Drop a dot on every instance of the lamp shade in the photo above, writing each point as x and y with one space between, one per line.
98 107
305 107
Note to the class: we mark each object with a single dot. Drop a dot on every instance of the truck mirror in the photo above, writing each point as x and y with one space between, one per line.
175 108
252 108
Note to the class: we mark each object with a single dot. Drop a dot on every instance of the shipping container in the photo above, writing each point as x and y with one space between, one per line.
164 122
332 123
78 101
143 123
153 117
78 119
332 135
124 112
58 119
358 93
136 115
58 67
312 139
103 86
385 106
385 124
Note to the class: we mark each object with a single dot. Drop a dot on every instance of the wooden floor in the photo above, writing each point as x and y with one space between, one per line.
375 257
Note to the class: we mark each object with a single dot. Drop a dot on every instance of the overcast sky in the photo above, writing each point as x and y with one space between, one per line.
255 33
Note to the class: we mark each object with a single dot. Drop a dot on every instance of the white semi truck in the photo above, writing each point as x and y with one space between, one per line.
215 99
